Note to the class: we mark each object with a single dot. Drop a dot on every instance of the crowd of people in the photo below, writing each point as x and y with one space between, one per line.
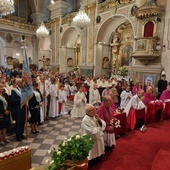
95 99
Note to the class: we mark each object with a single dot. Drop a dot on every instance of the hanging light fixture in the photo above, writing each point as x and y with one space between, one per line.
81 20
6 7
42 31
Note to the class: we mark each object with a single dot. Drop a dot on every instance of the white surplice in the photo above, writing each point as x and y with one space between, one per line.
136 103
78 108
94 97
124 98
53 110
91 126
62 95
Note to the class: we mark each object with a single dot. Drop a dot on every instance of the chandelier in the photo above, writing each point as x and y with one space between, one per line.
6 7
81 20
42 31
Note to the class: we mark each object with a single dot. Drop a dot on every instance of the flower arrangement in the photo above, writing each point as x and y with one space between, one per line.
75 148
115 123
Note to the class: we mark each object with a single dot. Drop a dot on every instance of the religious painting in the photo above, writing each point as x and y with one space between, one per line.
16 63
105 63
141 45
126 52
149 80
69 62
48 61
9 60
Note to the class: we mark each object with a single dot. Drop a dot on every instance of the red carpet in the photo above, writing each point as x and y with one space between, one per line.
149 150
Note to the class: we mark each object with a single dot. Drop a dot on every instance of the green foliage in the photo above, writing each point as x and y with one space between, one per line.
123 71
75 148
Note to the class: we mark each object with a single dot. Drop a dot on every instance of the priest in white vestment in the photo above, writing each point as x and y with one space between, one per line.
94 97
94 126
125 97
136 102
79 104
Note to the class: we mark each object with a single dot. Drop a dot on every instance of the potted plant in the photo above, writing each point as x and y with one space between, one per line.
70 152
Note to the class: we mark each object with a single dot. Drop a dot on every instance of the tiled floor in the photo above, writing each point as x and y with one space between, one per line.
51 134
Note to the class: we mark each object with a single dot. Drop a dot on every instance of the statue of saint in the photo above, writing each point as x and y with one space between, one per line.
116 37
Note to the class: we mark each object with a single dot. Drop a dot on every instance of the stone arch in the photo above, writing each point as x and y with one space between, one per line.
18 50
104 41
68 47
44 51
67 34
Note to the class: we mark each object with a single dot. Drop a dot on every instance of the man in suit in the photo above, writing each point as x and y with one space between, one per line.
162 84
18 113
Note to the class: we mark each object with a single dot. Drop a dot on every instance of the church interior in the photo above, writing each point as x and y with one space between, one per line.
129 39
122 38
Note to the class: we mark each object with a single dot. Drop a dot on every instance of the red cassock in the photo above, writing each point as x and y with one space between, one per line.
133 116
166 110
152 108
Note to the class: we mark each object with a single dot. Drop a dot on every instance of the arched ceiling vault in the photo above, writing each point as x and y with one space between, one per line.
109 26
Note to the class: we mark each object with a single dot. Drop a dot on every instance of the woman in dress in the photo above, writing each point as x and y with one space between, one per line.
34 106
4 114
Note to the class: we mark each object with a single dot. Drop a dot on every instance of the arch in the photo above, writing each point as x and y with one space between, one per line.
108 46
113 22
67 33
17 49
45 43
2 40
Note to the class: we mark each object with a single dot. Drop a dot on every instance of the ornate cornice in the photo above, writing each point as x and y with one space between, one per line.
149 9
107 5
69 17
17 25
91 6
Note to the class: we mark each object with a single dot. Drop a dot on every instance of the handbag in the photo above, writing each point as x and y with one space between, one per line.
12 122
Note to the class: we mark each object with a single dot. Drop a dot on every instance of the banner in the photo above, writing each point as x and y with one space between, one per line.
27 88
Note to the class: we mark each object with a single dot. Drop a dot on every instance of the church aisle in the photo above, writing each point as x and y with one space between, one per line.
51 134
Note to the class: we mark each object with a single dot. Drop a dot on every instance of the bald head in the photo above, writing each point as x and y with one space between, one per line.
90 110
168 88
141 93
107 100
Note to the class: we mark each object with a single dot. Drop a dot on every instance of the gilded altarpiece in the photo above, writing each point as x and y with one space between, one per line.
122 59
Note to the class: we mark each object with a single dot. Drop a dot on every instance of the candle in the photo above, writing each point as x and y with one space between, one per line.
26 148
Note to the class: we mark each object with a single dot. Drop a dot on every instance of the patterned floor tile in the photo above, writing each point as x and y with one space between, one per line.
51 134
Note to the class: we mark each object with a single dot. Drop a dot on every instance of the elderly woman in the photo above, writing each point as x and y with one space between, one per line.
34 105
4 114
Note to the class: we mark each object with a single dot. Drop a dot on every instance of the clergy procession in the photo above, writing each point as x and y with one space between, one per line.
94 99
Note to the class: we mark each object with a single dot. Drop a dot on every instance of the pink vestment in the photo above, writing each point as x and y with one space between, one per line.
106 114
148 97
165 95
